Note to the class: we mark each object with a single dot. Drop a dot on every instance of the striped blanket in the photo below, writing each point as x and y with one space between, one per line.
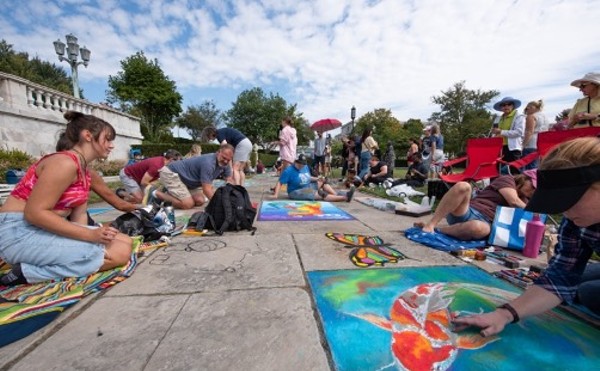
30 307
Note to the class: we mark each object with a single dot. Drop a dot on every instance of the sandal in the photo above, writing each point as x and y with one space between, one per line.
121 192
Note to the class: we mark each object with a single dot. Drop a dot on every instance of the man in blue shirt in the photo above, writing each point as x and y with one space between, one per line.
302 186
188 182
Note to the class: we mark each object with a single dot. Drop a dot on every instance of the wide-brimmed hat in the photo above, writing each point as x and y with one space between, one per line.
301 159
593 77
515 102
558 190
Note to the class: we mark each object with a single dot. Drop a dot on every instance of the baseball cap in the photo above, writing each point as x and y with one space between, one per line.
301 159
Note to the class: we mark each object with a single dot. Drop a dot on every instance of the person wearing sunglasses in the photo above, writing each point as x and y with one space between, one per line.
568 182
586 111
511 127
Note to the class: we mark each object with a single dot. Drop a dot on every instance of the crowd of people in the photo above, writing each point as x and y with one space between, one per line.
46 232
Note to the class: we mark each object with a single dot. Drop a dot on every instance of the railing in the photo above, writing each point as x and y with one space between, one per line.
31 115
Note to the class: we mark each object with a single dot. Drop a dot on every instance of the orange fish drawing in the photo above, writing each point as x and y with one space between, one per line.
420 323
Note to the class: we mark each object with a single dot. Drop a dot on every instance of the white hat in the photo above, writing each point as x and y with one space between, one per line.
593 77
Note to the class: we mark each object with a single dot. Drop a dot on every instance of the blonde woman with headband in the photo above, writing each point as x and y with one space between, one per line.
535 122
568 182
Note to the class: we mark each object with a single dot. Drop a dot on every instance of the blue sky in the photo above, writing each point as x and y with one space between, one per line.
329 55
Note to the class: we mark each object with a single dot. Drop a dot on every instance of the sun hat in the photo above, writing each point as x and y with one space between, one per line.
559 189
593 77
532 174
301 159
515 102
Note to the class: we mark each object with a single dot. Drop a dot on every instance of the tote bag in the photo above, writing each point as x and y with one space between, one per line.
508 229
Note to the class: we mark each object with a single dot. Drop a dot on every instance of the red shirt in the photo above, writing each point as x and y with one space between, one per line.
150 165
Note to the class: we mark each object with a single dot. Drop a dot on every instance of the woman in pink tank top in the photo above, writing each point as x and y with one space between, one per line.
35 236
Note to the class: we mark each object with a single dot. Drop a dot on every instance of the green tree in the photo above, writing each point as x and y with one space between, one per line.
196 118
258 116
385 127
142 88
463 115
34 70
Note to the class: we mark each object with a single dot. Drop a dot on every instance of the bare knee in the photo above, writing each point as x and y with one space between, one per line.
119 252
462 188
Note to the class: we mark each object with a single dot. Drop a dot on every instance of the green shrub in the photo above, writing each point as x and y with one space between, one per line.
13 159
109 168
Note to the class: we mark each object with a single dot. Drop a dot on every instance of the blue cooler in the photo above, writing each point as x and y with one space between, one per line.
13 176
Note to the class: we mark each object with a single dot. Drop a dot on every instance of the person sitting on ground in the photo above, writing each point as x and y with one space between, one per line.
188 182
377 172
98 185
36 239
241 144
471 218
196 150
568 183
352 179
138 176
416 174
301 185
260 167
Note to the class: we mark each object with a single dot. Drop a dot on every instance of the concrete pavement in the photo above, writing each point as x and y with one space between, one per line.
237 301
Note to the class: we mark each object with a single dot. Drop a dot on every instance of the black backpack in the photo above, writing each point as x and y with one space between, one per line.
230 209
138 223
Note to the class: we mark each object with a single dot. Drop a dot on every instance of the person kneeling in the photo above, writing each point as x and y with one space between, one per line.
302 186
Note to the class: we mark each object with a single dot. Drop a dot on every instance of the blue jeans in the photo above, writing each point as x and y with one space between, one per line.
533 164
365 157
589 289
45 255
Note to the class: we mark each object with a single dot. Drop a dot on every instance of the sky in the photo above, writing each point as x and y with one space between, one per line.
326 56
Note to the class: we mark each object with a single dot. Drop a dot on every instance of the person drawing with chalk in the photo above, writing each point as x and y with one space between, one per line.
568 182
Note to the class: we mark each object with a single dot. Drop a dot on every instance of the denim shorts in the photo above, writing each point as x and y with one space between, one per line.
305 194
471 214
45 255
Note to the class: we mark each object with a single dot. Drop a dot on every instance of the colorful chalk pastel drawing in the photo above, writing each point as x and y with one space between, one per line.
367 250
301 210
387 319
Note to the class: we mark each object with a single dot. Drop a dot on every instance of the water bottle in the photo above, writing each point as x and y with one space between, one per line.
170 214
534 233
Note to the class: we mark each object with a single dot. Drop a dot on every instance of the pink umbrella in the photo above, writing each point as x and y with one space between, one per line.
326 125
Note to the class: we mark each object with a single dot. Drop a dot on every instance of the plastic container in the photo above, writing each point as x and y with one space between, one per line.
534 233
13 176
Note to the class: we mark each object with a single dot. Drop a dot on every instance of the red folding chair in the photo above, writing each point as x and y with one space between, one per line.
547 140
482 159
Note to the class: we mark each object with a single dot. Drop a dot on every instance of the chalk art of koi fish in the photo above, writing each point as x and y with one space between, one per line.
420 323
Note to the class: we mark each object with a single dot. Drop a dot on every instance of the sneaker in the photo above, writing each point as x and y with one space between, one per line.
121 192
350 193
13 277
150 196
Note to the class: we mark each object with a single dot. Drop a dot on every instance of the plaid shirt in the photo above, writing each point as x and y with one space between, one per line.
574 249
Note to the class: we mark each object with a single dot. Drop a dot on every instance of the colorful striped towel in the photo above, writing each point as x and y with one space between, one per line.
31 307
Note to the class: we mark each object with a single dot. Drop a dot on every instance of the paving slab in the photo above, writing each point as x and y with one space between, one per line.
232 261
322 253
112 334
265 329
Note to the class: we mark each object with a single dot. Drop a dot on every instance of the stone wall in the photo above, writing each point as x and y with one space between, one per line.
31 116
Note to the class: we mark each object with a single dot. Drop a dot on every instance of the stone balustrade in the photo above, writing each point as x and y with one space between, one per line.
31 117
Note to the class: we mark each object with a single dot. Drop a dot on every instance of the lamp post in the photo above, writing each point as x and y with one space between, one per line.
352 116
73 52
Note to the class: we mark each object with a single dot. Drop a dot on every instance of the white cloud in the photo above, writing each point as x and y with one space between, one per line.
331 54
